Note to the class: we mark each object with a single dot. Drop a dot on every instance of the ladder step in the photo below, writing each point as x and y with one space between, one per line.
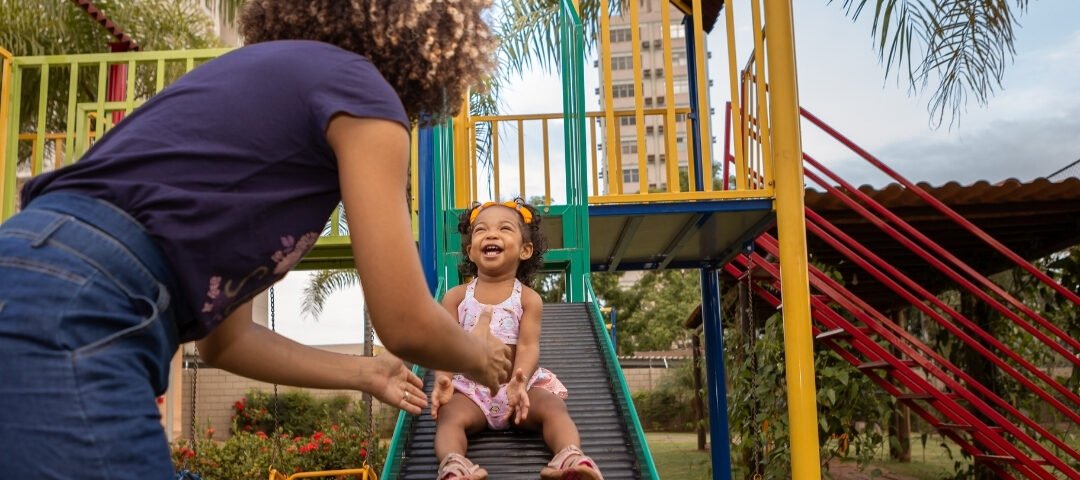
840 333
915 396
956 426
883 365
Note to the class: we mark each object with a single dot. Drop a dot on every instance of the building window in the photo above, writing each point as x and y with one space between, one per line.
682 85
680 117
622 62
629 146
622 90
678 59
678 31
660 101
630 175
680 139
620 35
648 101
627 121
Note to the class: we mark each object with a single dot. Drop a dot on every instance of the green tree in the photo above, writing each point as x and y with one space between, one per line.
651 312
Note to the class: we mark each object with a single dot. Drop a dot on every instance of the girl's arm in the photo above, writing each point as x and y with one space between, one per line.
373 157
528 346
246 348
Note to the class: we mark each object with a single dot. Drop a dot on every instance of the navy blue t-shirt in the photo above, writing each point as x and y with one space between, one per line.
229 168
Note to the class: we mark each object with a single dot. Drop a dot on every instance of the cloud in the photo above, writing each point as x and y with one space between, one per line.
1023 148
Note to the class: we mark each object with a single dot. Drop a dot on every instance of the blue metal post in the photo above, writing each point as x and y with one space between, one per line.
428 211
717 386
696 116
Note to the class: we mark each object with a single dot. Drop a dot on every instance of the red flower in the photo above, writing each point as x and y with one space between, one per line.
334 427
210 432
261 434
363 453
327 441
239 405
317 435
308 447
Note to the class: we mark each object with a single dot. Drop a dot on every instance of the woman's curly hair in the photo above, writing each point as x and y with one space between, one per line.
530 233
431 51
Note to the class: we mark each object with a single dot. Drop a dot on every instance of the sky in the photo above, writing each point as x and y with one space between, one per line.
1029 128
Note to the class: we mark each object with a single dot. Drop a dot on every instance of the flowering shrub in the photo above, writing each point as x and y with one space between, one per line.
297 412
331 445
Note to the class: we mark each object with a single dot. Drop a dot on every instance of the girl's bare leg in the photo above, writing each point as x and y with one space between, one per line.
548 415
457 419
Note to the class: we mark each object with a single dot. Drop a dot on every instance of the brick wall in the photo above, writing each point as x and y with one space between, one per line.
217 391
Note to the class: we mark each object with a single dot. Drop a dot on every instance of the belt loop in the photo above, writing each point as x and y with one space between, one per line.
47 232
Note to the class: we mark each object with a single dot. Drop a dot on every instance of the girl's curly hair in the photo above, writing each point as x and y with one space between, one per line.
431 51
530 233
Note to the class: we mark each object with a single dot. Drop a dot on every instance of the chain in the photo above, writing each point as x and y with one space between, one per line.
277 437
194 386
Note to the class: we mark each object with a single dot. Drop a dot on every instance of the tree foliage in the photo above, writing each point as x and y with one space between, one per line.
957 48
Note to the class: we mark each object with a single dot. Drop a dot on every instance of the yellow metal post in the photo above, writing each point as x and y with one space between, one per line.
791 226
5 107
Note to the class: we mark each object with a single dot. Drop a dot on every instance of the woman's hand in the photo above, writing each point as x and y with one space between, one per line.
517 396
497 354
393 384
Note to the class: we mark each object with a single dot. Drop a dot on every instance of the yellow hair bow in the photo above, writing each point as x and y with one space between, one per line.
521 209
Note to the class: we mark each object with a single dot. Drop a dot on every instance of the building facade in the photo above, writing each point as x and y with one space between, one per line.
653 89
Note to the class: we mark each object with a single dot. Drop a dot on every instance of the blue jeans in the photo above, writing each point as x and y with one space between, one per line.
86 336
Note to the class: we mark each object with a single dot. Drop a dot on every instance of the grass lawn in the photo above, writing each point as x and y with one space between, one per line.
677 458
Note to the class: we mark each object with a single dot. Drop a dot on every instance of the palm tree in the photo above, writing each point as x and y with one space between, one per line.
957 48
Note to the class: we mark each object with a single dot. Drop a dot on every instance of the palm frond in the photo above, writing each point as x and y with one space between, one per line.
528 32
959 47
323 284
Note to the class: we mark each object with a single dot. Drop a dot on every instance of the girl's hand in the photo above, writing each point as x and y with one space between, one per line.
517 396
395 385
441 394
497 354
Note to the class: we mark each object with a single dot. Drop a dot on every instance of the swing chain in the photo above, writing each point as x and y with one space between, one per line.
275 433
194 396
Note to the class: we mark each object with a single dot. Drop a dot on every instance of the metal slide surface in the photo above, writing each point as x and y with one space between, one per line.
569 347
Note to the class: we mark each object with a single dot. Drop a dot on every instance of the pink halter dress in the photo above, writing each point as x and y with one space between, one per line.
505 322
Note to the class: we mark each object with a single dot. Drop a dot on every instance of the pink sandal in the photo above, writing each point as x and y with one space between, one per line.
571 464
457 467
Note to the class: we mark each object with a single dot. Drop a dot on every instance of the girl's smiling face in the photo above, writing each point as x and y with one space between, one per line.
498 244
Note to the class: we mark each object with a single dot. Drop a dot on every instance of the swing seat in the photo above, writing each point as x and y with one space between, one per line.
364 473
187 475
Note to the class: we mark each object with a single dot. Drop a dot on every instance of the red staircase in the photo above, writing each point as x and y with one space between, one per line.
987 427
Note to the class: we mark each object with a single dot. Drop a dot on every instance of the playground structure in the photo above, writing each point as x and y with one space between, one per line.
595 225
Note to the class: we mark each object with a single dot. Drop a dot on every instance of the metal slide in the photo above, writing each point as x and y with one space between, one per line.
574 347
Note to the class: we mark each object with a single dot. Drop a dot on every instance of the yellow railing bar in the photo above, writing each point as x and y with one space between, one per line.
592 147
547 167
639 99
495 156
681 196
159 76
614 178
670 129
99 123
737 125
558 116
473 160
761 99
703 97
521 157
129 89
414 171
365 473
791 227
39 134
691 168
73 98
5 110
